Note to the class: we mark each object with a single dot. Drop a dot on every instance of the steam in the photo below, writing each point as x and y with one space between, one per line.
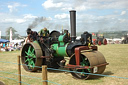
56 26
49 24
36 22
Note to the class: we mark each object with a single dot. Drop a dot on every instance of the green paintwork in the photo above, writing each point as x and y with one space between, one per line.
35 41
84 63
30 56
61 37
60 50
61 43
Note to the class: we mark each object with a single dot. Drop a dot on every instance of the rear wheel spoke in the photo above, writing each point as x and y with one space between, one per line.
30 57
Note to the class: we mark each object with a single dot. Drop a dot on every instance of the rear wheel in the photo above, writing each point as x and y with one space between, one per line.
104 41
99 42
30 56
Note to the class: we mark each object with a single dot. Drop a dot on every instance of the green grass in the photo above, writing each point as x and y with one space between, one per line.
116 55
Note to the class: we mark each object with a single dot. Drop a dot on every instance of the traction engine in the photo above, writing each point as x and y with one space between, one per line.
83 57
98 39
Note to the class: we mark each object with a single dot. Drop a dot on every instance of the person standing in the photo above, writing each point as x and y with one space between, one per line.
0 46
44 32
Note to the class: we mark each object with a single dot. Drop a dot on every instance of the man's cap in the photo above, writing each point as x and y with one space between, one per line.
45 29
28 31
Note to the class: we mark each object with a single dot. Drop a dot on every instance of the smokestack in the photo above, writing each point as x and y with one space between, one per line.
73 25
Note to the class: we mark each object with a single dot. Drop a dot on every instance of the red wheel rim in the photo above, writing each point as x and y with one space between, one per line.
99 42
94 42
105 42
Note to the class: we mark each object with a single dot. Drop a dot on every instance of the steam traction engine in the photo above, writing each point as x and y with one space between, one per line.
125 39
99 39
51 52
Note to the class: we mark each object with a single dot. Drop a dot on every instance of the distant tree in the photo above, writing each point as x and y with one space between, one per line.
3 37
8 32
16 36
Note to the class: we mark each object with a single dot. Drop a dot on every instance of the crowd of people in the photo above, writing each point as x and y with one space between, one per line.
9 46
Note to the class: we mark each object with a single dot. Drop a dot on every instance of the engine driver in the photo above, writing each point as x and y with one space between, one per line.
32 35
44 32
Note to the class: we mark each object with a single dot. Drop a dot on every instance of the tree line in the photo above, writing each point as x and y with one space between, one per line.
15 35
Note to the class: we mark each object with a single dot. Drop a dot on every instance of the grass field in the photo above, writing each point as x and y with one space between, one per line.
116 55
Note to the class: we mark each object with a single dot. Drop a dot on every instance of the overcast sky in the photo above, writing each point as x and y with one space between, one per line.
92 15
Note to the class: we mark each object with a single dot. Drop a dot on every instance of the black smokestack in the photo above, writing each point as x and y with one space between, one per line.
73 24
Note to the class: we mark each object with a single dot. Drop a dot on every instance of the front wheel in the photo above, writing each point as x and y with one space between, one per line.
83 62
91 59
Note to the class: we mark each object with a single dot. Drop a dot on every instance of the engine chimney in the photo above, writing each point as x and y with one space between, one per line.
73 25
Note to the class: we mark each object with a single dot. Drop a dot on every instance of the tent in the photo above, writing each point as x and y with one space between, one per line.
4 41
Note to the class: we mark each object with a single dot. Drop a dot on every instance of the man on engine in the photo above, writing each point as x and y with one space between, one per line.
44 32
32 35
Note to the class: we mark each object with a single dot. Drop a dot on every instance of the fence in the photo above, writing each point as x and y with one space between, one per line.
44 79
19 81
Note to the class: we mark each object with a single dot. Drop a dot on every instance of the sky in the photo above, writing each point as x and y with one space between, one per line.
91 15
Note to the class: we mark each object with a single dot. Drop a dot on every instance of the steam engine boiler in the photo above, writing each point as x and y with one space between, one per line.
52 51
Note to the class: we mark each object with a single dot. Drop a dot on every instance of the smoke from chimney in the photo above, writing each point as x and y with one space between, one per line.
36 22
48 23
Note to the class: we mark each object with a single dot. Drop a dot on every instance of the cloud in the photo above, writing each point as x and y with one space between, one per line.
61 16
49 18
92 14
123 13
13 6
29 16
9 20
49 4
122 20
105 23
20 23
57 5
81 5
20 20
